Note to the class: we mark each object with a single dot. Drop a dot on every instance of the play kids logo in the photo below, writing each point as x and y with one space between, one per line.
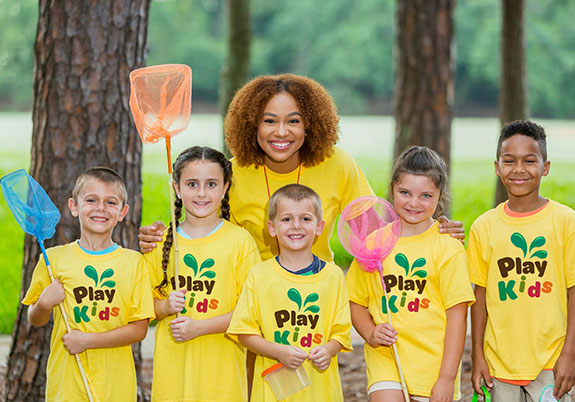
532 266
102 292
298 319
413 281
202 281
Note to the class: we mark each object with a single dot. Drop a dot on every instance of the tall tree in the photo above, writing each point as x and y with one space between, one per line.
513 78
84 51
236 69
423 100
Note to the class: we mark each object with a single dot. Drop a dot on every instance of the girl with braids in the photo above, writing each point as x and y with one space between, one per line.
215 256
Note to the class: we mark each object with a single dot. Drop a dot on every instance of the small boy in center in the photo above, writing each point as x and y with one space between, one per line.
294 308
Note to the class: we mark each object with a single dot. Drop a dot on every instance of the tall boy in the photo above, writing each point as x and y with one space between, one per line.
522 262
294 308
105 292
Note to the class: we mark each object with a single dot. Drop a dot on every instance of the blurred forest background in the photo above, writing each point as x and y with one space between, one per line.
351 53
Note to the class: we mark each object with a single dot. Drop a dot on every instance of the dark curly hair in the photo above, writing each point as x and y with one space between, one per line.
422 161
187 156
527 128
245 114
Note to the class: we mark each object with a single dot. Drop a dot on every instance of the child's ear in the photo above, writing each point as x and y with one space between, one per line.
271 229
546 167
124 212
319 229
497 170
73 207
177 188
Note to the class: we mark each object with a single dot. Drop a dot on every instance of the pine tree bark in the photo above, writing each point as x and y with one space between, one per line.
84 51
236 69
425 60
513 78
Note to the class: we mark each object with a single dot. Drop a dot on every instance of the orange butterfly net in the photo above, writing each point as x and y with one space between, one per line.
161 103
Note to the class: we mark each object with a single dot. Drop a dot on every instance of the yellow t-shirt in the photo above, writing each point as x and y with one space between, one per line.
290 309
212 269
338 180
426 274
526 265
103 292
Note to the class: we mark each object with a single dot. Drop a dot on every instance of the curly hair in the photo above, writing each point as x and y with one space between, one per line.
527 128
187 156
245 113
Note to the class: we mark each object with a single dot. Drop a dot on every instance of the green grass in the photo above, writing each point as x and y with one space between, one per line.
368 139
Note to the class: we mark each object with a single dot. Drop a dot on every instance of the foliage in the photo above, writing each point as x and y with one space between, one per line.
347 48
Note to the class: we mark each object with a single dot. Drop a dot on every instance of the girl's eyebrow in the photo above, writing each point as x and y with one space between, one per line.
289 114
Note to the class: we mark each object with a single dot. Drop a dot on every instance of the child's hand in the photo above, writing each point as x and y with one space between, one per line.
176 301
320 357
52 295
383 335
480 371
150 235
442 390
184 329
564 372
292 356
453 228
76 341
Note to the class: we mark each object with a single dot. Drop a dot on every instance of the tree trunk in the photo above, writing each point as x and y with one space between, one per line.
423 100
236 69
513 78
84 51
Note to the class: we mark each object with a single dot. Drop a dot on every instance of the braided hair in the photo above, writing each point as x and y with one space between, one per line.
187 156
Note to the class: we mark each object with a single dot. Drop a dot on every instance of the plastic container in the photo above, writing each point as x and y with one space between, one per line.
285 381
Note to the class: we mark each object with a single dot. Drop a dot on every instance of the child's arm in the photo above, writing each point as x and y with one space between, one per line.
289 356
478 322
375 335
78 341
564 369
172 305
39 312
150 236
185 328
453 228
454 342
321 356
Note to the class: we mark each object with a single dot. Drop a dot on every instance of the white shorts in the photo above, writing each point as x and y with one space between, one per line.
385 385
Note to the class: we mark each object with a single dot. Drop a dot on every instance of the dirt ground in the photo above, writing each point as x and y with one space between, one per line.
352 370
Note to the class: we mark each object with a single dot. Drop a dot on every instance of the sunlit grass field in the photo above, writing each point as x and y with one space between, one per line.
369 139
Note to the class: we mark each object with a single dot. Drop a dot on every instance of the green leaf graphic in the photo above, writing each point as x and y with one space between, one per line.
519 241
539 254
208 274
295 297
313 309
420 262
207 263
109 284
311 298
90 272
421 273
107 274
537 242
191 262
402 261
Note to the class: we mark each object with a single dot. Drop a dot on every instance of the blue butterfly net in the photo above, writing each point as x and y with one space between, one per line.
30 205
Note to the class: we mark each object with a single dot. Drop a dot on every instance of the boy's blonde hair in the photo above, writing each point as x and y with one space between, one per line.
295 192
103 174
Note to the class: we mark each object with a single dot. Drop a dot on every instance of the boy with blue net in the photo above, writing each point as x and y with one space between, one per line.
522 262
105 292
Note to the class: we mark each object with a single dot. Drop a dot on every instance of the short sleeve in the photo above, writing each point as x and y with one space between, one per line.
40 281
478 267
249 257
142 301
569 252
454 283
356 281
153 265
356 184
246 318
341 328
